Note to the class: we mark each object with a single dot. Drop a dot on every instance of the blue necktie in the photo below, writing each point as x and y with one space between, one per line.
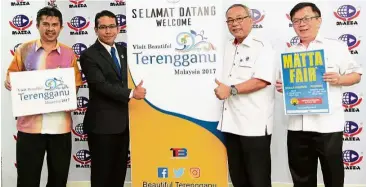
115 59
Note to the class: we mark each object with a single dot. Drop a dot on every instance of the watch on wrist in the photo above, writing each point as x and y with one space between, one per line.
233 91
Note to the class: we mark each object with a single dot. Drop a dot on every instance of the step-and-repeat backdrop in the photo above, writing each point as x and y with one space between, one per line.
175 46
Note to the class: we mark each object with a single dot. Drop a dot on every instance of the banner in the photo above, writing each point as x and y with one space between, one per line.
43 91
304 90
174 141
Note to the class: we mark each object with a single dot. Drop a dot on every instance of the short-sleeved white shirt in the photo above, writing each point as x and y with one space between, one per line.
337 59
248 114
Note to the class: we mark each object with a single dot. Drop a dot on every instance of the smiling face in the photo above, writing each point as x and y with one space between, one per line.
49 28
239 22
306 24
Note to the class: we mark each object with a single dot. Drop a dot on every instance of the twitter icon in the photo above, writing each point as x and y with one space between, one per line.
178 173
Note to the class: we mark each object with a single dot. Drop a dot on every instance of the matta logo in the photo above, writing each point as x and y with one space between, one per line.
19 3
83 157
257 17
351 160
82 104
121 22
79 132
77 4
52 3
78 24
351 131
346 13
118 3
350 100
294 41
351 42
78 48
20 23
15 48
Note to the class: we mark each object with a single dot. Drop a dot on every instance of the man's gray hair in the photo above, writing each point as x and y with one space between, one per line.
247 9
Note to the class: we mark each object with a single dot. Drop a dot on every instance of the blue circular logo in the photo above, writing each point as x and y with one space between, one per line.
20 20
78 22
349 98
350 156
346 11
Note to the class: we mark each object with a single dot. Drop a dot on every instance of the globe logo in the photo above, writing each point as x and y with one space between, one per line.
351 157
351 129
83 156
79 129
124 44
15 48
346 11
78 48
121 20
256 16
349 98
78 22
349 39
295 40
20 22
82 102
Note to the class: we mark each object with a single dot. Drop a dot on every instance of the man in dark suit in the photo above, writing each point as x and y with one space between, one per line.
106 120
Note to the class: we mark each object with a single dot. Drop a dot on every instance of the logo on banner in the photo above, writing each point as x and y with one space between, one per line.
124 44
294 41
350 102
195 172
77 4
82 103
79 132
78 24
351 131
163 173
351 160
78 48
118 3
52 3
83 78
15 48
179 152
351 42
21 23
289 18
257 17
178 173
193 41
19 3
121 22
83 158
346 13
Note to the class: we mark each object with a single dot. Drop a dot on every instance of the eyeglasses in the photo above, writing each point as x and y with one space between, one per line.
238 20
104 27
304 20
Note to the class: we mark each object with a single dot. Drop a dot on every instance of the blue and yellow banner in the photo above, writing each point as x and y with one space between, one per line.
174 140
305 91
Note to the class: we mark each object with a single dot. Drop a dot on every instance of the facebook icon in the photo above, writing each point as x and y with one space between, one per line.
163 172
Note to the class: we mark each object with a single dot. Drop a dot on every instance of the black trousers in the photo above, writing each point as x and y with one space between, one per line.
304 150
249 160
30 150
109 153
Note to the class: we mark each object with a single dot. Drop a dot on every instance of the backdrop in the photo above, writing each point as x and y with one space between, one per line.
343 20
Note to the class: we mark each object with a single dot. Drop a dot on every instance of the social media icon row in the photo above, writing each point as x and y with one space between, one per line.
163 172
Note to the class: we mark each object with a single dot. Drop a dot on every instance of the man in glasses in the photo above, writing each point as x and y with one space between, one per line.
245 86
106 121
313 137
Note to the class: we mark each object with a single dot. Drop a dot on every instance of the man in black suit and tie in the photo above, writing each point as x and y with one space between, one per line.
106 120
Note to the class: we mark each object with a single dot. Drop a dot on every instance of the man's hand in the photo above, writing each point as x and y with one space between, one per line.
332 77
279 86
139 92
7 85
222 91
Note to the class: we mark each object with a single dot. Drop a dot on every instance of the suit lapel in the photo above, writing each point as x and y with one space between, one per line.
103 52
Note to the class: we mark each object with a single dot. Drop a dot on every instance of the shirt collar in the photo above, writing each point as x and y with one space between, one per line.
107 47
318 39
39 45
247 41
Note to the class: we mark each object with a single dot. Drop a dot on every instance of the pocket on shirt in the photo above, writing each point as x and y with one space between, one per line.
245 70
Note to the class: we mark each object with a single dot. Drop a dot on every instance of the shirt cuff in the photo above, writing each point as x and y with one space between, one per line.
131 94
